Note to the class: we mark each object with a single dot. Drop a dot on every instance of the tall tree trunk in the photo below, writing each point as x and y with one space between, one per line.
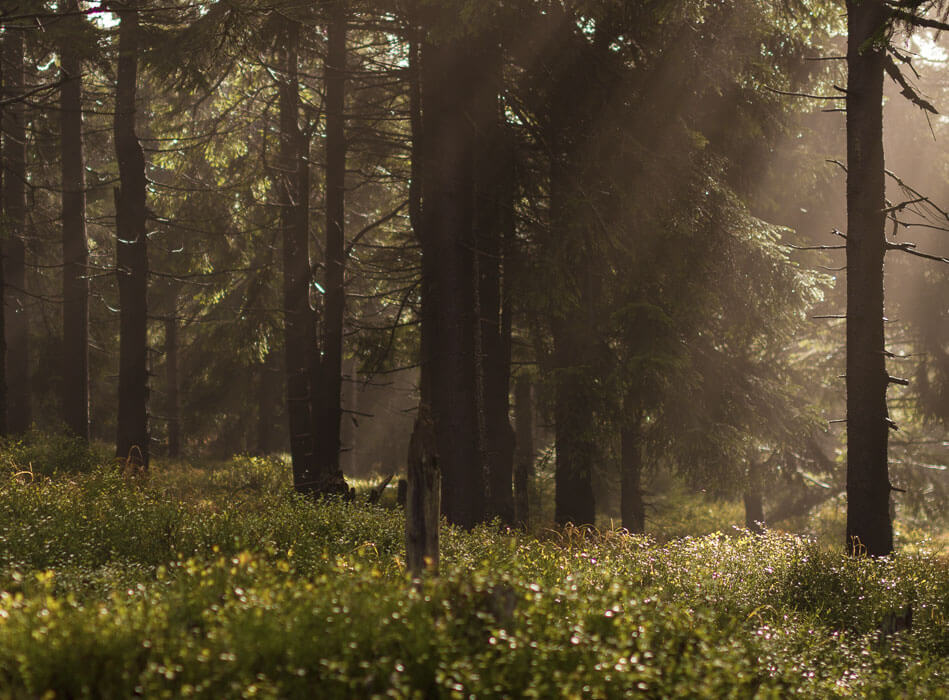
132 438
299 330
417 222
869 527
494 200
574 417
574 427
328 400
423 477
4 394
75 249
451 337
347 430
632 507
171 387
14 247
268 396
753 497
524 462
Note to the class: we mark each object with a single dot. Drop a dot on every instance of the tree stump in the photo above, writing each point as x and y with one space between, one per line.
423 500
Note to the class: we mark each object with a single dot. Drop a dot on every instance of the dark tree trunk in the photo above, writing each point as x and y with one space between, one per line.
75 249
3 285
492 217
524 464
299 330
632 507
753 497
574 400
132 438
422 497
347 431
171 387
423 478
268 396
451 338
869 528
574 427
14 247
328 400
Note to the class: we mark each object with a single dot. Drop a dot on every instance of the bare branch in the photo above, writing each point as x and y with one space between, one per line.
909 92
916 21
903 205
815 247
802 94
909 248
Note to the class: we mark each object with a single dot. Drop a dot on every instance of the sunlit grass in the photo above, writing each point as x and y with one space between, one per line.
218 581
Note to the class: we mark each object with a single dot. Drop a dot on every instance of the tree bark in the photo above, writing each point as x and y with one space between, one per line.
494 200
524 464
132 437
753 497
574 427
268 396
632 507
328 400
451 336
299 330
869 527
14 247
422 497
4 393
75 248
171 387
347 432
574 400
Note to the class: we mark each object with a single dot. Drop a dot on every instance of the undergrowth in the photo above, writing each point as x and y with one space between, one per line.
220 582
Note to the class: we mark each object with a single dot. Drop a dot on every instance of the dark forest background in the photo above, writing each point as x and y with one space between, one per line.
600 241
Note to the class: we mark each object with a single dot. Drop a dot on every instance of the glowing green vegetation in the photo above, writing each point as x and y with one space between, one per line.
223 583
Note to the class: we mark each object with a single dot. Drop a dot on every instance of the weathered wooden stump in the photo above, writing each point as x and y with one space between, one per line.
423 500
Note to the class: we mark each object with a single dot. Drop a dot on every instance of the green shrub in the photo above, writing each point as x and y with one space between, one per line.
41 453
117 587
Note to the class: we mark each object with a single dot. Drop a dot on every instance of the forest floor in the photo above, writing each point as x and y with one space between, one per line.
219 582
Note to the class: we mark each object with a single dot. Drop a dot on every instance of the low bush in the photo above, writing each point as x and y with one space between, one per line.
40 453
112 588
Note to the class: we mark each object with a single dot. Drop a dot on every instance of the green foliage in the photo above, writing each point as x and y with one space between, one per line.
47 453
112 588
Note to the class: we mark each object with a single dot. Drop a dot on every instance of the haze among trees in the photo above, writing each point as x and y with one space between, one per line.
602 232
469 348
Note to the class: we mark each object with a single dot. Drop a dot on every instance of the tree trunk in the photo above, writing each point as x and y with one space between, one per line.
4 393
524 464
451 337
492 217
574 427
423 477
632 507
75 249
869 528
300 334
171 387
753 498
328 410
268 396
14 248
347 431
132 438
422 498
574 418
